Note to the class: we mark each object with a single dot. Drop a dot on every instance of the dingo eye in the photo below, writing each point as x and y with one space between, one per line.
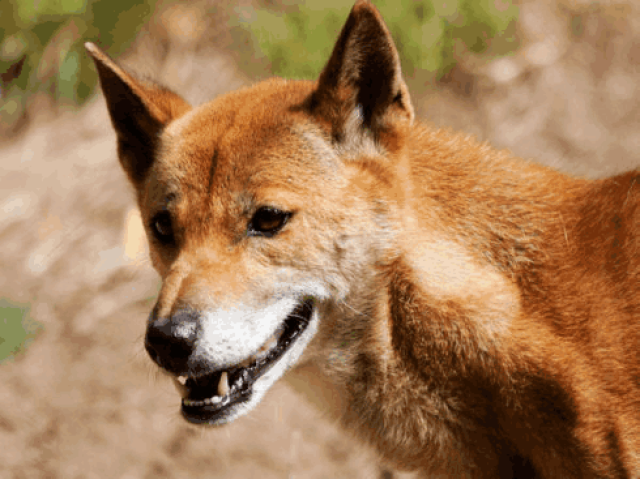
267 221
162 228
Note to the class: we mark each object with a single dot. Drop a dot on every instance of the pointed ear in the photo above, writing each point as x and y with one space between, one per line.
363 77
139 111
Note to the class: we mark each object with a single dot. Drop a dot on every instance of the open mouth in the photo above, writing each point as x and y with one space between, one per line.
212 397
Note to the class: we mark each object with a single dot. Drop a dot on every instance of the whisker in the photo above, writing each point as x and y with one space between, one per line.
360 313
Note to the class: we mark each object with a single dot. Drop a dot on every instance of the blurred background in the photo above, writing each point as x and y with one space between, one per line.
555 81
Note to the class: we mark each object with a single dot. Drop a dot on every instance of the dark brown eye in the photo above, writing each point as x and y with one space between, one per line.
162 227
267 221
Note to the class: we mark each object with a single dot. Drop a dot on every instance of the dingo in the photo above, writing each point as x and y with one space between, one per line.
469 313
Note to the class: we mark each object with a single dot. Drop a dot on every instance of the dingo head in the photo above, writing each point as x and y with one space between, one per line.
258 210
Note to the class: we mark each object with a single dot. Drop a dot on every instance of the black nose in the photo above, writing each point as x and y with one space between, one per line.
171 341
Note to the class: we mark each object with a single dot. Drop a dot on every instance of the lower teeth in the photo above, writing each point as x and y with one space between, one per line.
206 402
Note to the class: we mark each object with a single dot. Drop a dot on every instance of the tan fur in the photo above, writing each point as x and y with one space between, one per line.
479 315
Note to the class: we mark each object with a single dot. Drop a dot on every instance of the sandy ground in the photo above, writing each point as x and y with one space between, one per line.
84 401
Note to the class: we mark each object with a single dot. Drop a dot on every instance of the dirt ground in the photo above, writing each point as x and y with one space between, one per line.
84 401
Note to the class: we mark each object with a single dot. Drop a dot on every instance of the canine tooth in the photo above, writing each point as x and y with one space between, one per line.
223 385
180 386
182 380
216 399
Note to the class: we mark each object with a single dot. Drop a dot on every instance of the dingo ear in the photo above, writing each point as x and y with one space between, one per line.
362 76
139 110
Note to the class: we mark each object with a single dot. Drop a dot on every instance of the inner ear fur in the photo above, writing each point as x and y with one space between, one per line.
139 111
362 73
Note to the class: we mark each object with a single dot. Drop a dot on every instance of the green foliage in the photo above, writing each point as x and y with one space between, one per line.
17 330
46 37
43 39
429 34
